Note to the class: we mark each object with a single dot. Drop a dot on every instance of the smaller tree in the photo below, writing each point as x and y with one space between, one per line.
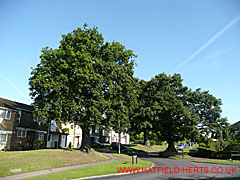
173 116
207 107
143 115
120 91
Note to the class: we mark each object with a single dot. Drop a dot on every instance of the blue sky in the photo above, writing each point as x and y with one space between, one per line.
198 39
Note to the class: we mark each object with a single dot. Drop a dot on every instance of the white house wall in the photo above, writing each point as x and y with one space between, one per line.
114 137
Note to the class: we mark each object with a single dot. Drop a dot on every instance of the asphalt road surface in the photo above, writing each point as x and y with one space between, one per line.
181 170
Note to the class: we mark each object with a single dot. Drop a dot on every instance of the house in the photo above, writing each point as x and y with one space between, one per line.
74 137
104 136
57 135
235 128
114 137
19 130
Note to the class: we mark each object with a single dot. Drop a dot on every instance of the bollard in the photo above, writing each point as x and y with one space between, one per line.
134 156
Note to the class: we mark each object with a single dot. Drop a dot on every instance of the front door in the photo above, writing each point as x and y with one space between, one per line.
30 139
63 141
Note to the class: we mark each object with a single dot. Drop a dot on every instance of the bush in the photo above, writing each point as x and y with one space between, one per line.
212 153
222 155
219 149
206 152
159 143
38 144
233 146
202 145
152 143
65 130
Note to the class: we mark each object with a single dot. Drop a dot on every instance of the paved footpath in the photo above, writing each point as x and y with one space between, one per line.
54 170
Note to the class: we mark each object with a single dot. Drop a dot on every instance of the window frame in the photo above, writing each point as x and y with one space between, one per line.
4 143
22 130
20 115
6 114
40 136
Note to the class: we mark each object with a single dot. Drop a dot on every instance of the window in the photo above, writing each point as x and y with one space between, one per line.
96 130
41 136
21 133
38 119
53 126
5 114
18 116
106 139
3 138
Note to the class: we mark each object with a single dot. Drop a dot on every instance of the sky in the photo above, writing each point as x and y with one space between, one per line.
198 39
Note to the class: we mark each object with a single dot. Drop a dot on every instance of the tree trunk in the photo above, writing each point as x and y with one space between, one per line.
171 147
85 145
146 138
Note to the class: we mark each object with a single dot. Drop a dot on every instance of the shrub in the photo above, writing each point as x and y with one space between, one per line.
202 145
212 153
152 143
233 146
38 144
159 143
206 152
222 155
65 130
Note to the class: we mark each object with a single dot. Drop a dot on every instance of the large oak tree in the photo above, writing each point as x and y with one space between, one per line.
83 81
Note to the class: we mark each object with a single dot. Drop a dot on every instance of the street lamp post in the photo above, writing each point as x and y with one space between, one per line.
119 139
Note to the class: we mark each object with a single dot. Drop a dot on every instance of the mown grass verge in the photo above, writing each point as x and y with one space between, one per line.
34 160
94 170
138 148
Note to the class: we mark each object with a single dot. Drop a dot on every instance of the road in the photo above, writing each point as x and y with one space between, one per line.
186 168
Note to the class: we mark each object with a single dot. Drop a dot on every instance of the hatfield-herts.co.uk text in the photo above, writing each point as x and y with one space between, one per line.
176 170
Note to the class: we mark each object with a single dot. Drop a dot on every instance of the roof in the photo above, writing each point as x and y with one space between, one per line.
6 103
235 125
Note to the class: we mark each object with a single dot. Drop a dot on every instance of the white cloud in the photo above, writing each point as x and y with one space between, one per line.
11 84
210 60
209 42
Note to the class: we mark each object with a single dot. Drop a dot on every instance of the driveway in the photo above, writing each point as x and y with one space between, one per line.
183 170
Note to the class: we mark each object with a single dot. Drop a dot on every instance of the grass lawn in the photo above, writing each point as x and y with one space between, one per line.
95 170
159 148
43 159
137 148
122 155
219 161
205 160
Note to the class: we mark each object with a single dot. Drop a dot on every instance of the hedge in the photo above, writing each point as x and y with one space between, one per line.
211 153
